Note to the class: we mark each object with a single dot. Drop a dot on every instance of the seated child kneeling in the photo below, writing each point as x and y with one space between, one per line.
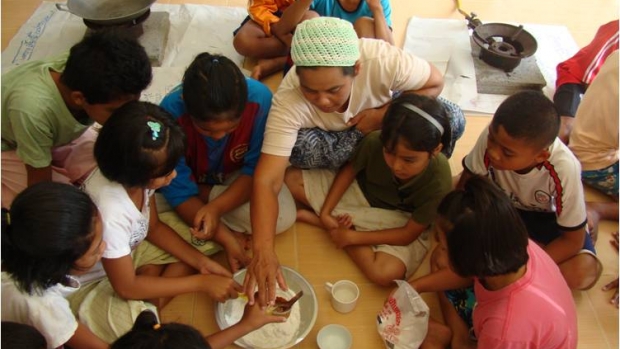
381 203
522 300
52 234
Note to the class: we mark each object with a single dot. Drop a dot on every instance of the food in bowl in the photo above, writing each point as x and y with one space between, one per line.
308 307
270 336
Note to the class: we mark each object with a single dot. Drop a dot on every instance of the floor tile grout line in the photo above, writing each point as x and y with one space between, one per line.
295 247
194 306
598 320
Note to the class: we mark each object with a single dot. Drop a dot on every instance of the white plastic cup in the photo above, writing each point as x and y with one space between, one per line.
334 337
344 295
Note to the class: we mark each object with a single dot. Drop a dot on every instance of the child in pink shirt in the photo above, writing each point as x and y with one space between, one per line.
522 299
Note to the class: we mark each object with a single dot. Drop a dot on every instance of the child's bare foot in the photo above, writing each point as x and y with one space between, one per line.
244 240
438 336
266 67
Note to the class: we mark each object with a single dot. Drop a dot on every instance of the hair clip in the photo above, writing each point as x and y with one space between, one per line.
156 327
155 128
215 60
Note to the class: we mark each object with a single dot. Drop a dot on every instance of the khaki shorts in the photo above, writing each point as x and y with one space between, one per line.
366 218
107 315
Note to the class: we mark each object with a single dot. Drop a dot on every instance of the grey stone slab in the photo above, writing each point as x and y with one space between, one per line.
491 80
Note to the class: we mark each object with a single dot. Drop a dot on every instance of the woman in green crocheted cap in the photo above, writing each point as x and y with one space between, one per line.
339 91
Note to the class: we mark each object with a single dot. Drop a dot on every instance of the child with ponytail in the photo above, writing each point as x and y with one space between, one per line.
148 333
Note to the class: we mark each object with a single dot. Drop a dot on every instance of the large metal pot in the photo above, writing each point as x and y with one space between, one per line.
107 12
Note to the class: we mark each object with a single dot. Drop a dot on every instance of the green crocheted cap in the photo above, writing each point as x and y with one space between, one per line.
325 42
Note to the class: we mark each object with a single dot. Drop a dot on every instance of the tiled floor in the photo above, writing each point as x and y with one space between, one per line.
308 249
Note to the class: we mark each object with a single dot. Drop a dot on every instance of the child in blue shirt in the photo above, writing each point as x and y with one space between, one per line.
223 115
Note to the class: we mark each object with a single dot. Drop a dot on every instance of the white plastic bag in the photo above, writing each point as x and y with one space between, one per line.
403 321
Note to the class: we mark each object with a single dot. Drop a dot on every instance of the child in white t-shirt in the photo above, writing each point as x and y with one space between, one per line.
137 151
521 153
52 233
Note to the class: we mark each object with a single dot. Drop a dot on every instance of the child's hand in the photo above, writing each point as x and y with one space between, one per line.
345 220
342 236
255 317
374 5
208 266
221 288
328 221
279 31
201 233
205 222
237 258
613 286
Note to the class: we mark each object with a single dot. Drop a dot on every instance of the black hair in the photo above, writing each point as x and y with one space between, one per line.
346 71
106 65
484 232
401 123
530 116
21 336
147 333
214 88
138 143
48 228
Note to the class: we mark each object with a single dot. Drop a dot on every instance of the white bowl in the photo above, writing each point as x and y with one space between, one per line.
334 337
308 306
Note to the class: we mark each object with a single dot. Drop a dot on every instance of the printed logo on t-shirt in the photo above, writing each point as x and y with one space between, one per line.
138 233
541 197
238 152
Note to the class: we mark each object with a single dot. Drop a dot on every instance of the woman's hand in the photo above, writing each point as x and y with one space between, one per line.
368 120
263 272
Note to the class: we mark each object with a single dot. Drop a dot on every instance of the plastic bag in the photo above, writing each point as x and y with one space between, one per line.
403 321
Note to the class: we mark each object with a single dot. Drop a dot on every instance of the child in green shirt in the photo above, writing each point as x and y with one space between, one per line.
379 206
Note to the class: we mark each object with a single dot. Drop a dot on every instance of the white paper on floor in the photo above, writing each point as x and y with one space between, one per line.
193 29
445 43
